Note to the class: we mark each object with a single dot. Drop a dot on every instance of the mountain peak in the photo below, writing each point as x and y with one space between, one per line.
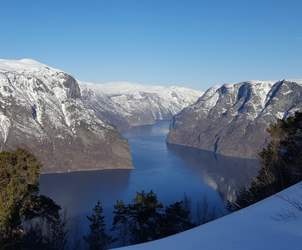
24 64
41 110
232 120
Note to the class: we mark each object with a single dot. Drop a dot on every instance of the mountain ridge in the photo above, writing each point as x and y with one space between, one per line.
232 119
126 104
41 110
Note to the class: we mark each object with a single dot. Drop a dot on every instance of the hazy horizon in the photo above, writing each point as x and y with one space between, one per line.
124 83
195 44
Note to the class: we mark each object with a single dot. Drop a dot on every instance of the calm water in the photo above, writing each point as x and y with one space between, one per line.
170 171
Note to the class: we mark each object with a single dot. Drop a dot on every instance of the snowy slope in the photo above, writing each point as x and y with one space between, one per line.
41 110
125 104
232 119
270 224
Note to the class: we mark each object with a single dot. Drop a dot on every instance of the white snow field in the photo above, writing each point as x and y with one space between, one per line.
272 224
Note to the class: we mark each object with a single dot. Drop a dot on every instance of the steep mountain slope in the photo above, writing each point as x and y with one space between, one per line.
41 110
232 119
126 104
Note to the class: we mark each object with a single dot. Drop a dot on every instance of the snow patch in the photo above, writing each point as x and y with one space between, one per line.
137 104
4 126
269 224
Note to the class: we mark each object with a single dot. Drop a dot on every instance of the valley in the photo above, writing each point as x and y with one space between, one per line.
150 125
172 172
106 142
126 105
77 127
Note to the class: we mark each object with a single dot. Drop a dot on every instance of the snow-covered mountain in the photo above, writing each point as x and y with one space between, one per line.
232 119
41 110
125 104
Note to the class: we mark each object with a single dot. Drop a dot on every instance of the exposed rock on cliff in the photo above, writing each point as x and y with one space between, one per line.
232 119
41 110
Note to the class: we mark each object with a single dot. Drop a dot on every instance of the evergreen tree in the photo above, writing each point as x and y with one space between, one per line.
281 162
146 219
176 219
121 222
187 203
33 239
145 214
42 234
97 238
57 235
19 199
19 172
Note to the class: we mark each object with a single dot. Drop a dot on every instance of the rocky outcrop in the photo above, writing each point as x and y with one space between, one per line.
232 119
126 105
41 110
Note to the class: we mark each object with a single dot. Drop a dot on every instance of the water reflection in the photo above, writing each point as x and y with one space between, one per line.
224 174
78 192
170 171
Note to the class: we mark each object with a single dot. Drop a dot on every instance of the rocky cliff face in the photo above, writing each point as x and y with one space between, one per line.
41 110
127 105
232 119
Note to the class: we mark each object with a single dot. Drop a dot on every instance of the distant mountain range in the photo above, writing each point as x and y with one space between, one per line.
232 119
72 127
126 105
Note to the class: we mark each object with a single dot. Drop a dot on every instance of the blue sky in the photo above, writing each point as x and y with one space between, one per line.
193 43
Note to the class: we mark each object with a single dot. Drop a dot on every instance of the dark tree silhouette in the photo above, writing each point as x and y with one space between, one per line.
281 162
121 222
146 219
97 238
176 219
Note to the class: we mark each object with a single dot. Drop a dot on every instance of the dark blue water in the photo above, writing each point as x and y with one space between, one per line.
170 171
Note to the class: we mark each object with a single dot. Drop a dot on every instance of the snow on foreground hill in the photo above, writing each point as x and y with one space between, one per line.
41 110
272 224
125 104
